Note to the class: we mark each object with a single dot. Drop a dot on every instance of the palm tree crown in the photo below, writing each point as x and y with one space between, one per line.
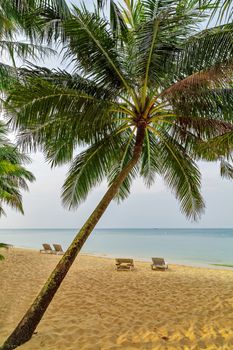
13 176
150 69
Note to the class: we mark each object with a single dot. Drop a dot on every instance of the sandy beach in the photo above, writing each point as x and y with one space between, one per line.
98 308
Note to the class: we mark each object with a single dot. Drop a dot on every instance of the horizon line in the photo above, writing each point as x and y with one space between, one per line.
115 228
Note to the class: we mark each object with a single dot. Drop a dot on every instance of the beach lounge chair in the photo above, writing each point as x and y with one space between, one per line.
47 248
58 249
159 264
124 264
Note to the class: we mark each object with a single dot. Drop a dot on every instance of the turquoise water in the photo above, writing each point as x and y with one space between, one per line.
184 246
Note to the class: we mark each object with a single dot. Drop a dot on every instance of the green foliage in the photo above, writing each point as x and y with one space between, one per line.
3 245
181 174
222 9
37 21
150 64
225 265
13 175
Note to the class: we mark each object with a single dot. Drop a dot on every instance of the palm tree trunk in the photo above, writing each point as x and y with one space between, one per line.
26 327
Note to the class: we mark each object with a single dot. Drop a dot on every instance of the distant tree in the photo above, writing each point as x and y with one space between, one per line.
150 93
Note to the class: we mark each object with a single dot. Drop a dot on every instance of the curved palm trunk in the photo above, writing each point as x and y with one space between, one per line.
26 327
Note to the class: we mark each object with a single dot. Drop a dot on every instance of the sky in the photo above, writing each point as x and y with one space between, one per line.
154 207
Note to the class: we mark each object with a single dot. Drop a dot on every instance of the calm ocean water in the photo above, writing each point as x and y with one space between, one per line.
184 246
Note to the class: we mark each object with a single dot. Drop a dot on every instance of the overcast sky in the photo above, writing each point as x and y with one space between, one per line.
156 207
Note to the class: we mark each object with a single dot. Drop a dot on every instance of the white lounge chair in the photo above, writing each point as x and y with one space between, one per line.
58 249
124 264
47 249
159 264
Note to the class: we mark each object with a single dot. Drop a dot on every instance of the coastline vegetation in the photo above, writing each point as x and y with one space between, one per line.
5 246
226 265
149 93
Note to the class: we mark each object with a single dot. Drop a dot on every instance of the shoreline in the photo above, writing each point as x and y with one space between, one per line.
145 260
176 263
187 247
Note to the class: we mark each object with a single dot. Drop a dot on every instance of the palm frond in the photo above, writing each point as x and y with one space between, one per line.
160 38
226 169
208 100
24 50
2 245
89 168
218 147
181 175
150 165
7 76
93 49
13 175
118 25
23 6
210 47
222 10
124 157
43 107
200 128
215 77
34 17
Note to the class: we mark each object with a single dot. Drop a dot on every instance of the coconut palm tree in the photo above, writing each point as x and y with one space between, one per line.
13 175
148 92
17 17
25 18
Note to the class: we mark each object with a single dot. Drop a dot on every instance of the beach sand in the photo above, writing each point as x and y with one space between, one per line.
98 308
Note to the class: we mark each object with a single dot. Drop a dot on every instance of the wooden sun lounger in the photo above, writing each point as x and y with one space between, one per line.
58 249
47 248
124 264
159 264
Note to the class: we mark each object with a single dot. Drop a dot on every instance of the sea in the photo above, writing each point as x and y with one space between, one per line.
197 247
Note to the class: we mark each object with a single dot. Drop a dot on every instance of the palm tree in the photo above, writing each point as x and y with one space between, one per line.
27 18
13 176
148 93
3 245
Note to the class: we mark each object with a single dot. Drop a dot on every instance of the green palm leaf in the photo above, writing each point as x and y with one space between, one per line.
13 175
3 245
93 48
226 169
182 176
124 156
89 168
24 50
150 166
207 49
222 9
